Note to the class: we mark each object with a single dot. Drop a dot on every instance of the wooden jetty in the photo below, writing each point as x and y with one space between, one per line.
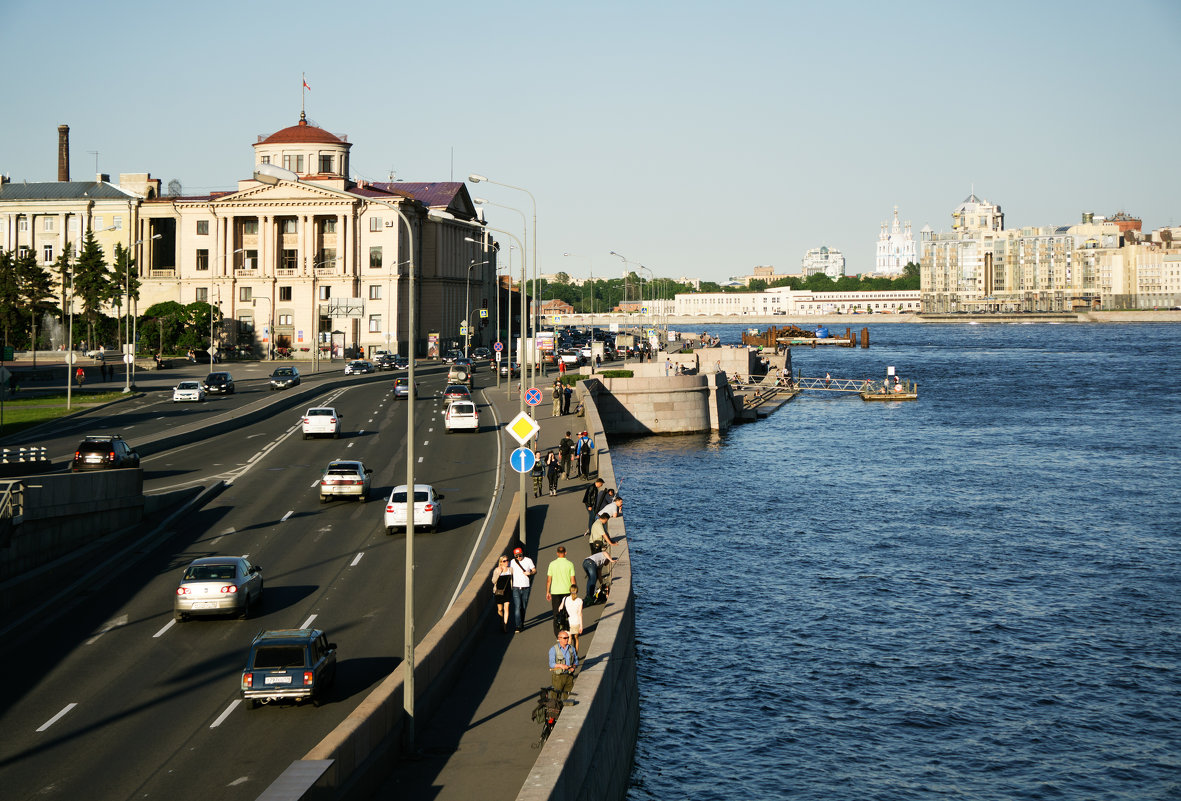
794 336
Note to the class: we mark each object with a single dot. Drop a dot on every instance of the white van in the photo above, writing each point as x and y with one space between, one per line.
461 415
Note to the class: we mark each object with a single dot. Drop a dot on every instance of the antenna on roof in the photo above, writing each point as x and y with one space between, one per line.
392 174
95 154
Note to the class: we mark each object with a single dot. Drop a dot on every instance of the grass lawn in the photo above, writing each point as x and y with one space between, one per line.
22 413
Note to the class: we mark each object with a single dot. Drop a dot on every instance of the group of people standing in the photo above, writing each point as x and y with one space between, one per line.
560 463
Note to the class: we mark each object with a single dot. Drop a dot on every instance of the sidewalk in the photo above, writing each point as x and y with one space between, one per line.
479 743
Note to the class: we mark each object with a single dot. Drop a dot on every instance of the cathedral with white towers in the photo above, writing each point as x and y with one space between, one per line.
896 248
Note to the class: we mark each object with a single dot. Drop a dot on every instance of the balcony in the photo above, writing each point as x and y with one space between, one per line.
286 272
165 272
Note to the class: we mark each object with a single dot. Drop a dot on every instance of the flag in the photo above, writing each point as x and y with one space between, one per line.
305 85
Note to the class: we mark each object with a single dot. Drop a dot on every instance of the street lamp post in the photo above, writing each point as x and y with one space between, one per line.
129 358
467 308
525 325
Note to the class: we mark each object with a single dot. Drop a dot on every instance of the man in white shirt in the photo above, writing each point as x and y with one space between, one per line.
523 569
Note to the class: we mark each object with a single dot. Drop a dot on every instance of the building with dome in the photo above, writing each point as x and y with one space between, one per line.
316 266
896 248
823 259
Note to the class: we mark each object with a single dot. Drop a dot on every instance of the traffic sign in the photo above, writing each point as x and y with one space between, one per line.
498 347
462 329
483 314
522 460
523 428
533 396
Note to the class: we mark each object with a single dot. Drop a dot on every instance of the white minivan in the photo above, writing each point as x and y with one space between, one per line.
461 415
321 421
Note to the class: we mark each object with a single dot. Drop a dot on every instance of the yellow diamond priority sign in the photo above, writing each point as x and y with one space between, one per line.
523 428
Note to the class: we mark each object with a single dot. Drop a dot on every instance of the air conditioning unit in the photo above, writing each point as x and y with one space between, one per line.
389 223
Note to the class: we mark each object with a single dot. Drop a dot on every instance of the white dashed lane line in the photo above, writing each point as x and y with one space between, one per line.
289 513
307 623
167 626
233 705
56 717
356 559
315 484
112 624
350 445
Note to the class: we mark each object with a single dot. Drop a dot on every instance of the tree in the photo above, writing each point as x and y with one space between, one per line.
562 278
174 188
35 288
9 294
92 282
756 285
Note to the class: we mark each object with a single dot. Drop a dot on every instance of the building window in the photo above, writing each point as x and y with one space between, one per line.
98 223
73 225
203 259
327 258
47 252
202 227
290 258
202 294
250 226
48 224
374 323
266 159
325 292
22 224
286 319
246 323
375 291
287 225
329 226
375 256
325 163
245 294
250 259
285 294
287 162
117 222
374 223
22 251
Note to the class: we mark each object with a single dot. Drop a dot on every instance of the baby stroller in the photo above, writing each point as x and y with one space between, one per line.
549 706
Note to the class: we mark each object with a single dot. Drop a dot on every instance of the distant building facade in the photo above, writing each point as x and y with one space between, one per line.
896 248
823 259
787 301
761 273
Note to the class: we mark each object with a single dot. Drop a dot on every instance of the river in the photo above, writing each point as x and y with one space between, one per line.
975 595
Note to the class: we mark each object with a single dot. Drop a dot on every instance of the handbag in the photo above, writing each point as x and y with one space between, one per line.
563 616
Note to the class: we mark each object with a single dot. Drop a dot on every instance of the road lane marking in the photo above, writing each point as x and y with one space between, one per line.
167 626
427 442
217 539
308 622
233 705
420 460
315 484
239 780
289 513
362 431
112 624
56 717
350 445
356 559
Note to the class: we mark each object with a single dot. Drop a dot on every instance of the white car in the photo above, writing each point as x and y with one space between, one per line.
321 421
426 508
461 415
359 367
188 391
345 478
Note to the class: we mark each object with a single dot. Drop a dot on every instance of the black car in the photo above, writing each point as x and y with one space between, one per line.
450 356
219 384
103 452
284 377
385 362
289 665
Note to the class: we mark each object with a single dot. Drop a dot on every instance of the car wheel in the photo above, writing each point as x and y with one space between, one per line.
306 436
181 617
323 499
336 435
252 704
244 612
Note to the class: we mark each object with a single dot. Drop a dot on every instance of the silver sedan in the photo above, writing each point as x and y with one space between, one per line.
218 585
348 479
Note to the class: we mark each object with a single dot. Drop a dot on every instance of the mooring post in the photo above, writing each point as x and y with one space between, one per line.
865 337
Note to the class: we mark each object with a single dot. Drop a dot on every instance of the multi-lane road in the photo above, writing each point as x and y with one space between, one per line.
107 697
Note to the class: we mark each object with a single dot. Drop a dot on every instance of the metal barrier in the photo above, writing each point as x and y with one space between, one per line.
36 453
12 502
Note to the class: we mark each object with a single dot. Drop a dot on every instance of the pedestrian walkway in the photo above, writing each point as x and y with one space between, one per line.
478 745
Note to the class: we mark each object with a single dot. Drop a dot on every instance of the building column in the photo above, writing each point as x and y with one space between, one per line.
342 249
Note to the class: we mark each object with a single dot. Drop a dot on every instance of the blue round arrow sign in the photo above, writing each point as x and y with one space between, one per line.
522 460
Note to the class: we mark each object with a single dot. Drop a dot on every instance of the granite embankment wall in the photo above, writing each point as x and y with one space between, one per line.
678 404
589 754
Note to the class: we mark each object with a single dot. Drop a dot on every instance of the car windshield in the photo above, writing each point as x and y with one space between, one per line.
187 385
400 497
95 447
285 371
278 656
210 573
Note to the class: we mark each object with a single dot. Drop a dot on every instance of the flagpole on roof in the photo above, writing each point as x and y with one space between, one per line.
303 91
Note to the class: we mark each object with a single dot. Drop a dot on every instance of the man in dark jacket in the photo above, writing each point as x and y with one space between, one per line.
566 451
590 498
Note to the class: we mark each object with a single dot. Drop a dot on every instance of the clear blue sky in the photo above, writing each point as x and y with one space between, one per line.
696 138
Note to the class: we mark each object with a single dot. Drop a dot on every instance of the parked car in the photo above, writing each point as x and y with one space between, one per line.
455 392
103 452
321 421
461 416
289 665
284 377
218 585
188 391
219 384
402 388
346 479
358 367
427 510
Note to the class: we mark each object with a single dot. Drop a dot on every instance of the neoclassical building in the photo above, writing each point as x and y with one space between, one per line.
320 261
823 259
896 248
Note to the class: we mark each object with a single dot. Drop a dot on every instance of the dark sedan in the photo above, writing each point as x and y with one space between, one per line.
284 377
289 665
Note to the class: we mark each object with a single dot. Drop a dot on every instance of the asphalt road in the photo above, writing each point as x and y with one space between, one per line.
114 700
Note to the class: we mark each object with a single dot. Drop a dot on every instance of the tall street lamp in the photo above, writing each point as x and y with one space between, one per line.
475 179
525 326
129 358
467 308
487 245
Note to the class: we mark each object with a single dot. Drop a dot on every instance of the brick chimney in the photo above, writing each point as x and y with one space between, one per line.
63 152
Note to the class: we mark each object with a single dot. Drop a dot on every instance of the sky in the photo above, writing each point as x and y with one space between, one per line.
698 139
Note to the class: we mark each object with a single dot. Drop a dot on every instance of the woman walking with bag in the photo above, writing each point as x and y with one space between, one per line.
553 469
573 606
502 580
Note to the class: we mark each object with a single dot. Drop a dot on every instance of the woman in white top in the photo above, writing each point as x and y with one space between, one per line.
573 607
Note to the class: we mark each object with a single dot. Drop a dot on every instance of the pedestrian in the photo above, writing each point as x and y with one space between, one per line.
523 571
598 362
583 450
590 497
593 566
553 471
80 377
538 473
557 396
573 607
563 661
558 578
502 586
668 365
566 449
567 394
613 507
600 540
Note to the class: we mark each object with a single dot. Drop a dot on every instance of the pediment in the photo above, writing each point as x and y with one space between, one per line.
282 194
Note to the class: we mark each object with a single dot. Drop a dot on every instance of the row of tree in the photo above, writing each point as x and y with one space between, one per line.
29 292
607 294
